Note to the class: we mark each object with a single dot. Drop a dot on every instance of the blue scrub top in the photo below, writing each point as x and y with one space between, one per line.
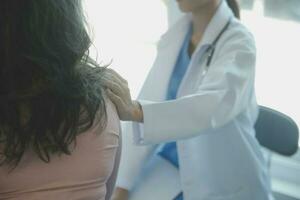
180 68
169 150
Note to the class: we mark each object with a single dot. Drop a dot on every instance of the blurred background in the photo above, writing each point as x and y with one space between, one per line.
125 34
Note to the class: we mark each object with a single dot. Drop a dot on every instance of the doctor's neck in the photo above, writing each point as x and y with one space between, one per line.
201 18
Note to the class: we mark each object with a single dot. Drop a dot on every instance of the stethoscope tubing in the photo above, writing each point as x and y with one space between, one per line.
211 50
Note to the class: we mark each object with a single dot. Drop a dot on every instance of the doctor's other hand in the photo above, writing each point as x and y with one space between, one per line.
120 194
118 91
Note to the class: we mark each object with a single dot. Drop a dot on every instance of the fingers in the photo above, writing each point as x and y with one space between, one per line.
111 74
115 98
116 83
113 78
114 86
116 75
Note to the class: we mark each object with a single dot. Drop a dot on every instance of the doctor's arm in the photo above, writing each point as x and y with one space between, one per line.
224 93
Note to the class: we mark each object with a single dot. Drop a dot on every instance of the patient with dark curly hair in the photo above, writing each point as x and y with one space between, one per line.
59 134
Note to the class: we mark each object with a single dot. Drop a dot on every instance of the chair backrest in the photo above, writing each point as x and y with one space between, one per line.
277 132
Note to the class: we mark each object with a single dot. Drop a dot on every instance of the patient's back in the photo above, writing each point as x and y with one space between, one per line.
82 175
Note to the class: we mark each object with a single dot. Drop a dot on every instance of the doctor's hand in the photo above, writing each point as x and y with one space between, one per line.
120 194
119 93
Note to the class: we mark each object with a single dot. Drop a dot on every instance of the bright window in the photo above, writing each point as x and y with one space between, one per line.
126 32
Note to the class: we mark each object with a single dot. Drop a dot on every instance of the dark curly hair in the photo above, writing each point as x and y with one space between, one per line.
50 89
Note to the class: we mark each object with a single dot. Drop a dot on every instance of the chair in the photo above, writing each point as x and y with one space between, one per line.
277 132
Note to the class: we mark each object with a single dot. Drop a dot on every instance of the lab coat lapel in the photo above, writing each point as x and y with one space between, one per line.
156 84
213 29
188 174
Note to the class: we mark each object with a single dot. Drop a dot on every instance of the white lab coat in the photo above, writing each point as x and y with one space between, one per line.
212 119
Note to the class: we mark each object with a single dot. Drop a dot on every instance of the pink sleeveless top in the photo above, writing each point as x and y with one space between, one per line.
87 174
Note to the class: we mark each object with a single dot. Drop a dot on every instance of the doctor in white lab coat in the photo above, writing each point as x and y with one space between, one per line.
211 119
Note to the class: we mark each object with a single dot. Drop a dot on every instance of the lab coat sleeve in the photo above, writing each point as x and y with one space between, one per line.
132 160
224 93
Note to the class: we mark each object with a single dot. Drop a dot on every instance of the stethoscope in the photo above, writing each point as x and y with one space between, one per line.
211 49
